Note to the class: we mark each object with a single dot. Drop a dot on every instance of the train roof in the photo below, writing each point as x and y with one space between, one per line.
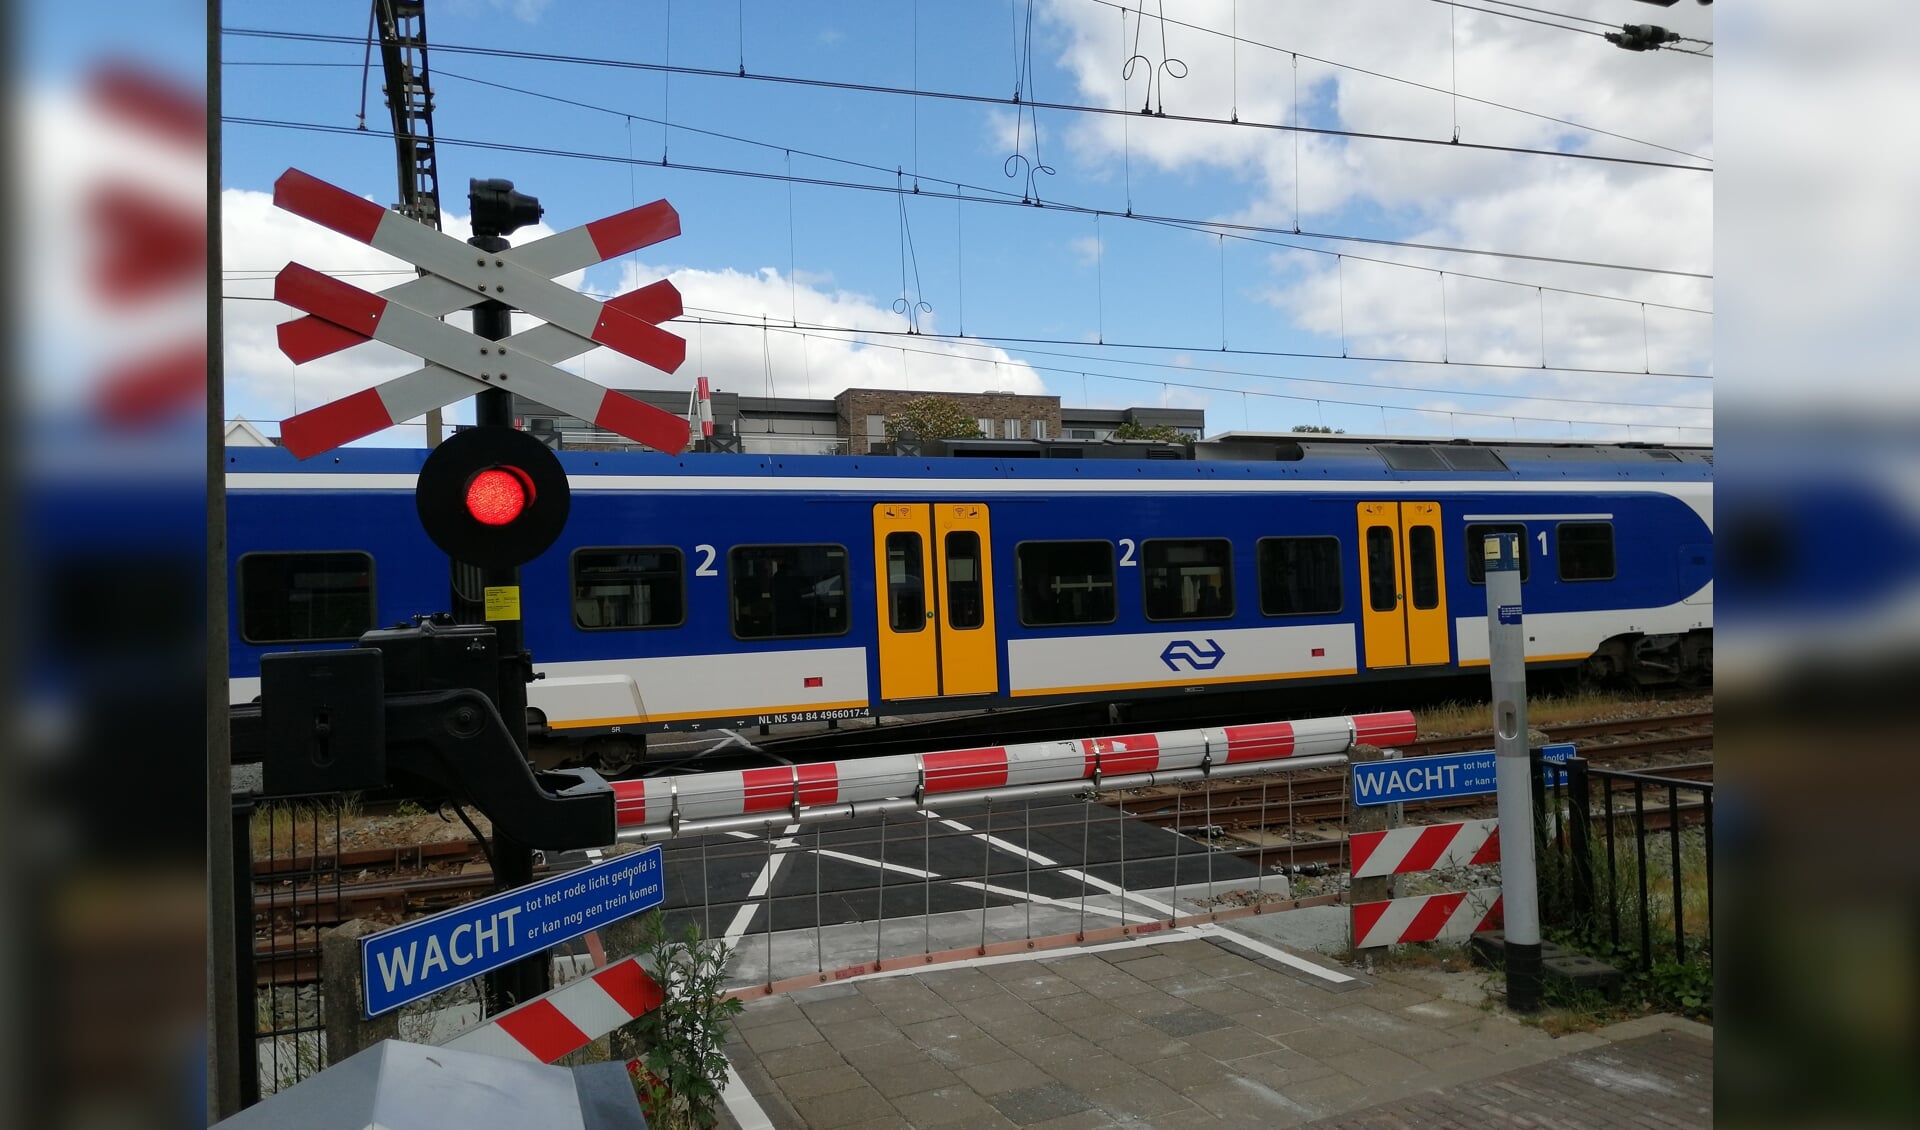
1242 455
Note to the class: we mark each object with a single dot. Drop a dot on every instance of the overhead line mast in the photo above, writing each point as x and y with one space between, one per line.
402 27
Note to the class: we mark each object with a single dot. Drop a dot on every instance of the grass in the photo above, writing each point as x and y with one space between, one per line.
1669 981
293 826
1440 957
1459 719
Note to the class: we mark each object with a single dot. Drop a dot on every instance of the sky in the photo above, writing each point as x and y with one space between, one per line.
805 272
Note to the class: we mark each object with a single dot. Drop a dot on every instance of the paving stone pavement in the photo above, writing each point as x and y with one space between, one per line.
1197 1030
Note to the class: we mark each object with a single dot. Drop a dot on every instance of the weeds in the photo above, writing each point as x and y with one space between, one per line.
1637 938
681 1068
1457 719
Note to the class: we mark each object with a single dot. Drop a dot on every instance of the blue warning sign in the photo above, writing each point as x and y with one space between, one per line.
420 958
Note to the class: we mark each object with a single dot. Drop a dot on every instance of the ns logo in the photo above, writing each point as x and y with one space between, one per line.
1193 655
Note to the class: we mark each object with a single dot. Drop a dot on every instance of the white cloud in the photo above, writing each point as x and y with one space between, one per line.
776 360
1433 193
263 385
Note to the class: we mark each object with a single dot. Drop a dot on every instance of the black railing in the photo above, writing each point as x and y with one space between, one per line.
288 882
1619 854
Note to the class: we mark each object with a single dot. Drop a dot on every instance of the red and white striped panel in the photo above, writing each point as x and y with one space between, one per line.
1426 918
484 274
404 397
310 338
706 796
704 395
568 1018
455 351
1398 851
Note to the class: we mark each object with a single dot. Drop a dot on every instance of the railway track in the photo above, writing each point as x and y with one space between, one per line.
1299 820
1296 820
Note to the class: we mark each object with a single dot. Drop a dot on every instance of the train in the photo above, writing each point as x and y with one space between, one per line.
710 590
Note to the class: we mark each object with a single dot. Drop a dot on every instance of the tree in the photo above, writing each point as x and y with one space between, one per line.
1319 429
1163 433
933 417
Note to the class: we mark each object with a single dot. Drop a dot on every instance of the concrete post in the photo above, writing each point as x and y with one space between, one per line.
343 1001
1372 818
1507 653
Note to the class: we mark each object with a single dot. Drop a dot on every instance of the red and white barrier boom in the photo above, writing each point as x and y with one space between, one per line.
657 801
460 363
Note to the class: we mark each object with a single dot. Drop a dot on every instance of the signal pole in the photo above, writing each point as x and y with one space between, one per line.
497 210
1513 773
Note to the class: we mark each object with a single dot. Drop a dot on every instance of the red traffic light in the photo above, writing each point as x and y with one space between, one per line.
492 496
498 495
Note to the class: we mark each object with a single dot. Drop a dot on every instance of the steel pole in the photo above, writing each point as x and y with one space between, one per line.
512 860
1507 662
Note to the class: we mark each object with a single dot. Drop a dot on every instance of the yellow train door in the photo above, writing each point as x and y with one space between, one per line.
1403 584
969 653
933 576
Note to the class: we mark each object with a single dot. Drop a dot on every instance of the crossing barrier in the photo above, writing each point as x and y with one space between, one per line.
646 807
1448 916
568 1018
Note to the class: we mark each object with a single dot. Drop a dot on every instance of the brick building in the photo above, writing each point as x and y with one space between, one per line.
852 422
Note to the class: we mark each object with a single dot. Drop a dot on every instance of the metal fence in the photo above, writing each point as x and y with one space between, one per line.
1630 860
814 873
289 888
822 895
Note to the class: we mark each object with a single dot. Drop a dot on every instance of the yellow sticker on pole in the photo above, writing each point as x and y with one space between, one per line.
503 602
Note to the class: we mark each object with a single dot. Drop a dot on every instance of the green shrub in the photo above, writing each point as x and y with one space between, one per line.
681 1069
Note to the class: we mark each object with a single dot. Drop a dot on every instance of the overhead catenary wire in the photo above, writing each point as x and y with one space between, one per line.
987 190
982 99
743 319
1556 15
1545 12
1371 73
818 331
821 332
1206 226
1525 19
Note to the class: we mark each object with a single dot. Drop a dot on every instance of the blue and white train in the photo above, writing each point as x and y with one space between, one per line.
726 590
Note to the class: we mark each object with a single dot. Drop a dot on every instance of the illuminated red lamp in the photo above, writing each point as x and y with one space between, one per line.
492 496
498 495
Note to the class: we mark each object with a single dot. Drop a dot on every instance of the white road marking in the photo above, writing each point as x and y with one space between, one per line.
761 885
1041 900
1069 872
1275 953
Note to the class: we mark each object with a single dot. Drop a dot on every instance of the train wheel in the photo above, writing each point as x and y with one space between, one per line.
615 755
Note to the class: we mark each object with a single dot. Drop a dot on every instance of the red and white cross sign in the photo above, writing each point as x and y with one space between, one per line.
460 363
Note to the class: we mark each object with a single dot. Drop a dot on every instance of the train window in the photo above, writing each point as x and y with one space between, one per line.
1476 551
305 597
1064 582
1299 576
1383 581
784 591
628 587
1423 566
1586 551
966 598
906 583
1187 580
